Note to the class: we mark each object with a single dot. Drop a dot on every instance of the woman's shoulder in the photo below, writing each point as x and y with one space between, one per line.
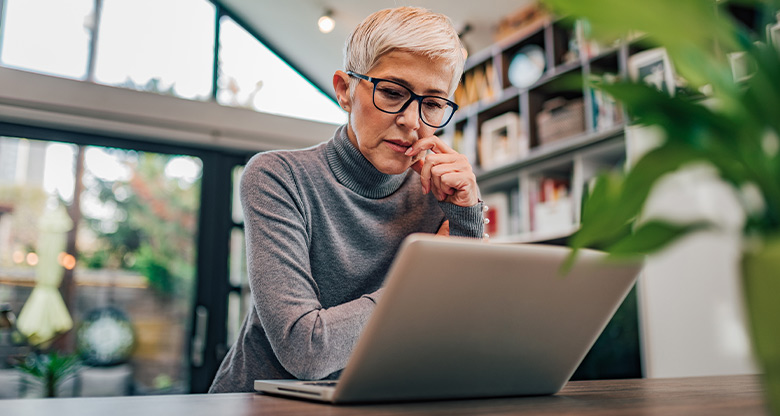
277 161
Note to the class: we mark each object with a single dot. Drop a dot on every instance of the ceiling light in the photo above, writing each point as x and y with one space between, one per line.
326 22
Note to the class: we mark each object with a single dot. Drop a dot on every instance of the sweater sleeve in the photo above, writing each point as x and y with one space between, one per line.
310 341
464 221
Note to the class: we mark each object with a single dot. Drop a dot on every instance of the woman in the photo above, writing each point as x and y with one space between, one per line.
324 223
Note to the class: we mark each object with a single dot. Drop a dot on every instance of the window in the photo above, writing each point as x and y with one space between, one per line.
48 36
163 46
134 247
252 76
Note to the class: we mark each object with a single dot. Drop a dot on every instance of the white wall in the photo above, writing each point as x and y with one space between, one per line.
690 301
46 101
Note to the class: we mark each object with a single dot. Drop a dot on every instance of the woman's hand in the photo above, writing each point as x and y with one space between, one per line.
444 172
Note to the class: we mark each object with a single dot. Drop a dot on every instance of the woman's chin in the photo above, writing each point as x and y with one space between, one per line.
394 168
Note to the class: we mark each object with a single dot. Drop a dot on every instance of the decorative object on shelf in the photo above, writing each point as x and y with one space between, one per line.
106 337
525 20
607 112
560 118
478 84
735 131
527 66
587 45
653 68
502 141
497 215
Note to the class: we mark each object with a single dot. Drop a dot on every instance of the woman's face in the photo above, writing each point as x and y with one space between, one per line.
383 138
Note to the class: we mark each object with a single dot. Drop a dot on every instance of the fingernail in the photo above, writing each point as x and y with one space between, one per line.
408 151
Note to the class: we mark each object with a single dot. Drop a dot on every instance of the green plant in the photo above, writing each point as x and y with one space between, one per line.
734 128
730 125
50 369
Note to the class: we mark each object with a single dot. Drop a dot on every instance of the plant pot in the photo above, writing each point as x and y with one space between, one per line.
761 281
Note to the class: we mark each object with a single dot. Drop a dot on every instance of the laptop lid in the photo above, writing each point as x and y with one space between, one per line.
460 318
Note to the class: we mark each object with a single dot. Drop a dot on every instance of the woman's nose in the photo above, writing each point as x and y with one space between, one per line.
410 117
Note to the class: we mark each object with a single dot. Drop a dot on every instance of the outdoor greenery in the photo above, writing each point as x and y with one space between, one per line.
28 204
152 226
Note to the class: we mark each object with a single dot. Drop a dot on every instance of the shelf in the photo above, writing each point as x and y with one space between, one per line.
554 131
562 146
556 237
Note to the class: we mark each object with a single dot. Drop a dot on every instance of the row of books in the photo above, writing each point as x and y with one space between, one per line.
544 207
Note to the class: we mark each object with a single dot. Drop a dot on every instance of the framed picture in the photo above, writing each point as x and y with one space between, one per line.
653 67
501 141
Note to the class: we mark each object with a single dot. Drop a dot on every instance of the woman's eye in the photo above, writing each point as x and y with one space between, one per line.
392 92
433 105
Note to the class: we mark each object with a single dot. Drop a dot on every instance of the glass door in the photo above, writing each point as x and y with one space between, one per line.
131 249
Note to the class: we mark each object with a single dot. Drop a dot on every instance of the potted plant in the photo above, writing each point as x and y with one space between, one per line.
731 124
50 369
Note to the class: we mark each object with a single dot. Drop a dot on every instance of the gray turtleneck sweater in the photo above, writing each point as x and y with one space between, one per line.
322 227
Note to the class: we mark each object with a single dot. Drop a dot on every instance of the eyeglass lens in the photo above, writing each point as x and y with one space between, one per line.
391 97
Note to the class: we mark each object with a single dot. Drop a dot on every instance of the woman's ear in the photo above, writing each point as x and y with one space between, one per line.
341 86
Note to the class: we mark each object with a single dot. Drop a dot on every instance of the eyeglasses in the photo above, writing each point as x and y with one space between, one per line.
393 98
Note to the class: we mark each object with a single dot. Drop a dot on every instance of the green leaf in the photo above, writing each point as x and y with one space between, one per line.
602 217
653 236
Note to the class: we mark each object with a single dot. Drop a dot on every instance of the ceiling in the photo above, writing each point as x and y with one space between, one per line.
290 26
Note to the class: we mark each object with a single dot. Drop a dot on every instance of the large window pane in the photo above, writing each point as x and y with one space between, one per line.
48 36
252 76
163 46
135 243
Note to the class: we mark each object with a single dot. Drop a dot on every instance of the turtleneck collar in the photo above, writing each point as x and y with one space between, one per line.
355 172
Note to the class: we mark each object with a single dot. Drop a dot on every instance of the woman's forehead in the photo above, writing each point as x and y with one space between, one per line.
418 72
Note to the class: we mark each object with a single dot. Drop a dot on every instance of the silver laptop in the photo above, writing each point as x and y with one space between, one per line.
465 319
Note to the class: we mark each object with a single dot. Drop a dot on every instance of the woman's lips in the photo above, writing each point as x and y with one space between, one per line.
397 146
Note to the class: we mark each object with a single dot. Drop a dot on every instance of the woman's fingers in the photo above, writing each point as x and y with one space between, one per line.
449 177
432 143
445 172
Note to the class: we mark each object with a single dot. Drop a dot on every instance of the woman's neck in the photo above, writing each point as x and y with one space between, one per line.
355 172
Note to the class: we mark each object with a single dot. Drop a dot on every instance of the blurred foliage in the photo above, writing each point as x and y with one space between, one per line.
731 125
27 203
151 228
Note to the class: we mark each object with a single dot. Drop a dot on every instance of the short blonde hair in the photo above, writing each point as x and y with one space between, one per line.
410 29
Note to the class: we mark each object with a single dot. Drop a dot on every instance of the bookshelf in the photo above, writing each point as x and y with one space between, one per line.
554 139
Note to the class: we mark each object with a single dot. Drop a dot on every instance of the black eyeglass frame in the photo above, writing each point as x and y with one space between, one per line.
412 97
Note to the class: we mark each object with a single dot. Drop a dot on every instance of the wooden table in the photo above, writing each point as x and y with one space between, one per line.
722 395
